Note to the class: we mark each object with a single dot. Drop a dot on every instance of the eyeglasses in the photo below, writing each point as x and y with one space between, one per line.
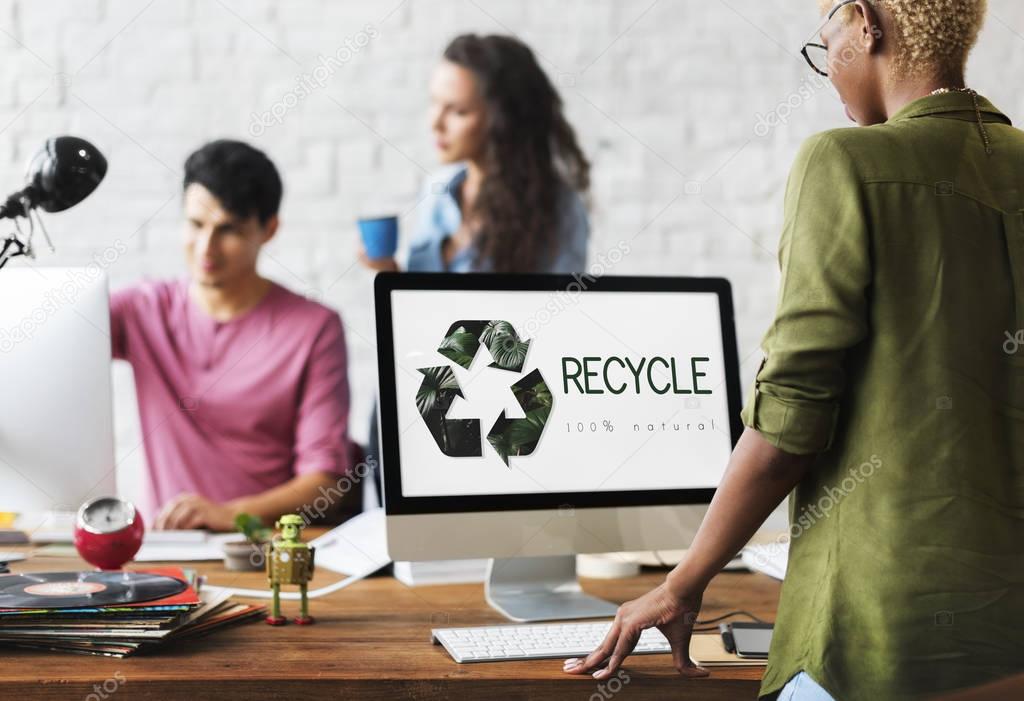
816 54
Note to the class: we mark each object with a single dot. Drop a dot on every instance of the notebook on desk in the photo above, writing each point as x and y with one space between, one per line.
10 536
159 546
709 651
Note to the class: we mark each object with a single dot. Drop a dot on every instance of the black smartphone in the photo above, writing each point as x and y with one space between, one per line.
752 640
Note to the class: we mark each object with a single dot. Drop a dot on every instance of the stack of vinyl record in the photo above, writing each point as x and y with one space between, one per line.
112 613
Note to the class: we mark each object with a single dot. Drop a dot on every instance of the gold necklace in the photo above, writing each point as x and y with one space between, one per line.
977 110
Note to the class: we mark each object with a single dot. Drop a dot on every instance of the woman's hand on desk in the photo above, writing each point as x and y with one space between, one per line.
189 511
759 476
673 615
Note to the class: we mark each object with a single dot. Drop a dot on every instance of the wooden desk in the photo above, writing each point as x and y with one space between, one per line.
371 641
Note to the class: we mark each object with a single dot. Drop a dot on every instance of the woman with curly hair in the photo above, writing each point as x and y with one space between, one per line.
509 200
890 403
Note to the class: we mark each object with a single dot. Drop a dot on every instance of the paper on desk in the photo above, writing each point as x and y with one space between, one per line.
177 537
768 558
183 546
358 545
162 546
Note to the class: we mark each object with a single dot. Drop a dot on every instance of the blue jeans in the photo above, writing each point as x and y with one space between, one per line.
802 688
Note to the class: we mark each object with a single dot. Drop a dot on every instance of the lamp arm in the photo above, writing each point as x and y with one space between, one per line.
17 205
11 241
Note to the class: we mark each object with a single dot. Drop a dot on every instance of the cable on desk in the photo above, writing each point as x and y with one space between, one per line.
701 626
708 624
292 595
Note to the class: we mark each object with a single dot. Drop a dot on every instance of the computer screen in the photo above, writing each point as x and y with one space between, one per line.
624 393
56 418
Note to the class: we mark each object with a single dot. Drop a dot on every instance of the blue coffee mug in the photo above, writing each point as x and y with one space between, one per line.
380 236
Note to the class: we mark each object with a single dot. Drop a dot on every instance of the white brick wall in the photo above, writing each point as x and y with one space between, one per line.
665 95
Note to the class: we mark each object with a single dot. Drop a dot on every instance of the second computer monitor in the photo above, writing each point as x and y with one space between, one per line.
56 422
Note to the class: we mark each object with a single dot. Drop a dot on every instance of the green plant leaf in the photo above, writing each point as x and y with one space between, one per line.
437 381
493 329
524 433
502 444
509 354
542 395
460 347
252 527
463 359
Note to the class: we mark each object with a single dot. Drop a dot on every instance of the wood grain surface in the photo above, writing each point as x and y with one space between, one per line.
370 641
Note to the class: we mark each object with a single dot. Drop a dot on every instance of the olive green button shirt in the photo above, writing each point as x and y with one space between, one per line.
894 356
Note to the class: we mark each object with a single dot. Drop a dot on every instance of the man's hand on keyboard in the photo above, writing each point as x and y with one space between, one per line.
660 609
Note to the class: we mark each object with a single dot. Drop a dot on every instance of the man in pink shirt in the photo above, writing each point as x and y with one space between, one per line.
242 385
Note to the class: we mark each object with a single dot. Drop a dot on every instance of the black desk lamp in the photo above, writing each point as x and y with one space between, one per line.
63 173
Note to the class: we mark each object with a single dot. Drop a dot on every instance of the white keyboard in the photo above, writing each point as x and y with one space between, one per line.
536 642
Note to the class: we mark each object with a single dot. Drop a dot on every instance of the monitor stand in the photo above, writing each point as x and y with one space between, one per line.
529 589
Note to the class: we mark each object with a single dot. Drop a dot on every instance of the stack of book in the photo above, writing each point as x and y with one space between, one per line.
115 614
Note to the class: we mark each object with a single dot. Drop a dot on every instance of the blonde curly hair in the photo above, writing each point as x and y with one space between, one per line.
931 35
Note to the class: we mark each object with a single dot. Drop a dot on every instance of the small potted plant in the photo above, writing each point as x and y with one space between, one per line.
247 554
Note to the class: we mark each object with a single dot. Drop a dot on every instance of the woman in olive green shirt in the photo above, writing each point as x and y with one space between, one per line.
891 399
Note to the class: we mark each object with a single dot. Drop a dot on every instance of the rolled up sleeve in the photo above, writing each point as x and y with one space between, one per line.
824 255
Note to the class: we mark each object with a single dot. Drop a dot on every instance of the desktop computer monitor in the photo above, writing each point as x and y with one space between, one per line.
56 423
530 418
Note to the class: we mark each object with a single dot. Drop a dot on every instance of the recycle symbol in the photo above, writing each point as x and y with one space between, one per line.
461 437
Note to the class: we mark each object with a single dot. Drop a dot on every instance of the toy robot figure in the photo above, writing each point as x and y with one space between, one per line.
289 561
